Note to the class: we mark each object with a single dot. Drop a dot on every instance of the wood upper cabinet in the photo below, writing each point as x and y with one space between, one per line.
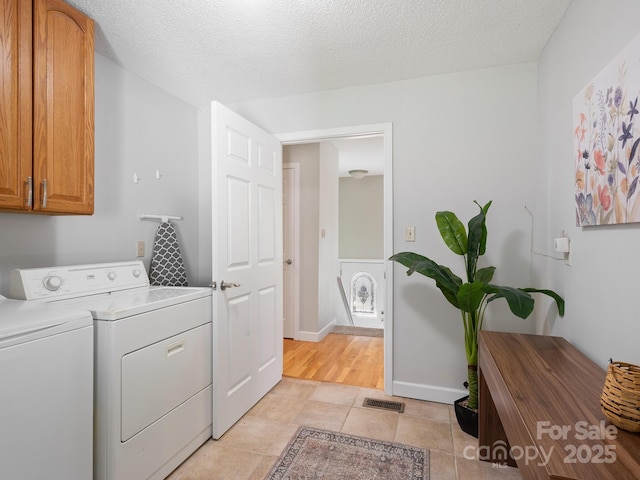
15 103
46 110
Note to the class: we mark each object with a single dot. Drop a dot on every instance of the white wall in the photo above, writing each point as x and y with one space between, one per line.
328 243
600 287
361 219
308 156
138 128
204 275
457 138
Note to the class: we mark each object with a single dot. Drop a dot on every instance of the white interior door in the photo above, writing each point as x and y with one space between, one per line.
291 249
247 256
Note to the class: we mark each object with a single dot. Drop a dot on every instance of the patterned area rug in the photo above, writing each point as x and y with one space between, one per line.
314 453
362 331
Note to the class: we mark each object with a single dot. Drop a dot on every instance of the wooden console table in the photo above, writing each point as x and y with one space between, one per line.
540 400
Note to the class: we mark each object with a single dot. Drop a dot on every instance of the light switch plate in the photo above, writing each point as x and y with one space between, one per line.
410 234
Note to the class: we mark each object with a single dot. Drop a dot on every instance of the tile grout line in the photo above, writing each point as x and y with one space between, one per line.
453 447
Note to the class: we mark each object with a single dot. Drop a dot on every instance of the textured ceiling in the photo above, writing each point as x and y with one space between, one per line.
239 50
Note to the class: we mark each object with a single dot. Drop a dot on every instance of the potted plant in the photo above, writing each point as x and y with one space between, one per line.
473 296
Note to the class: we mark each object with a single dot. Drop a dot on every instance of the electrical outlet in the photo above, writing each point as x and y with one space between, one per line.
140 249
567 256
410 234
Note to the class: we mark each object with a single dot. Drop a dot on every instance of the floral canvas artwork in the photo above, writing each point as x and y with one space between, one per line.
606 137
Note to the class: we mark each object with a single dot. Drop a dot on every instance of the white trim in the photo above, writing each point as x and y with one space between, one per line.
386 130
310 136
317 336
361 260
388 252
296 248
427 392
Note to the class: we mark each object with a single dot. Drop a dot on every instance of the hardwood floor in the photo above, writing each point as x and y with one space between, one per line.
347 359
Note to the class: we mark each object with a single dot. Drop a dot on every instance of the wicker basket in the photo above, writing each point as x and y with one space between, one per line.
620 401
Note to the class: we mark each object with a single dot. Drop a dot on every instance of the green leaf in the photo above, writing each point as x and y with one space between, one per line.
559 300
470 296
446 280
477 243
485 275
483 241
449 294
520 302
452 232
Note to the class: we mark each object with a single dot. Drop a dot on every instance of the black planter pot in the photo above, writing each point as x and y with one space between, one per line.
467 418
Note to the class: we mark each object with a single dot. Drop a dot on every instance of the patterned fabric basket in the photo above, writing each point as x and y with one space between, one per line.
620 401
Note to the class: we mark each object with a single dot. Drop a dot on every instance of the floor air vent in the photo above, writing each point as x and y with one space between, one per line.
384 405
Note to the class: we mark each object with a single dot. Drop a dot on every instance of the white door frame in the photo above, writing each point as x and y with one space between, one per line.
296 248
386 130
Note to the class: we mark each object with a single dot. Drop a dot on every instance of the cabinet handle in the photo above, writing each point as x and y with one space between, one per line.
29 192
44 193
175 348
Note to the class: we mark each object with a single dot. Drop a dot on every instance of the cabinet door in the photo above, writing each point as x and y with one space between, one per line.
62 109
15 104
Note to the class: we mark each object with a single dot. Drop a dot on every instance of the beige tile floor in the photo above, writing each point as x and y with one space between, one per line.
251 447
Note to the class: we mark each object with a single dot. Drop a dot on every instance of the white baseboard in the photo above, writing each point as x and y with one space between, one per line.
316 336
427 392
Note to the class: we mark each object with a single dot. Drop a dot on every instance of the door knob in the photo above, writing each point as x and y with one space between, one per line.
224 285
288 261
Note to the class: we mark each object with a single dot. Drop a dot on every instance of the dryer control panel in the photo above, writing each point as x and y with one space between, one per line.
52 283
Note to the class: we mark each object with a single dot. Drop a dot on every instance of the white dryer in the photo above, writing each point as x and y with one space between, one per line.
46 392
153 366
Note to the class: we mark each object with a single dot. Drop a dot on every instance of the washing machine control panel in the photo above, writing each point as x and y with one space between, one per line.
52 282
76 280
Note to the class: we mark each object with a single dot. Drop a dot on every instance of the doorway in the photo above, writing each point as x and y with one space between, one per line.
291 249
384 131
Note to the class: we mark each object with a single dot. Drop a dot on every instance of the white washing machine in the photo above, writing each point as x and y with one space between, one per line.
46 392
153 367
